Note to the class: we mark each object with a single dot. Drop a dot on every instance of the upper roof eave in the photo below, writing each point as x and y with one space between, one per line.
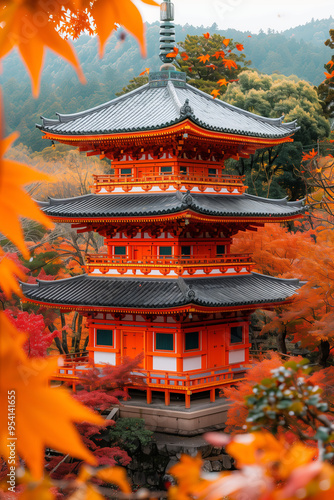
251 125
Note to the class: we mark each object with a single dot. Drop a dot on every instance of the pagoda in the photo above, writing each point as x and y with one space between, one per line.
169 286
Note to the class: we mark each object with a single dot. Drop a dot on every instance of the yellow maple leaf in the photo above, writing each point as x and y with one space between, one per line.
107 13
28 26
44 415
14 201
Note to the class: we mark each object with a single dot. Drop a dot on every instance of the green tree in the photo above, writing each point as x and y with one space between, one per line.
224 62
272 172
205 76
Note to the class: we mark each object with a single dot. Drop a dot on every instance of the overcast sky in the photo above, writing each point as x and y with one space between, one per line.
245 15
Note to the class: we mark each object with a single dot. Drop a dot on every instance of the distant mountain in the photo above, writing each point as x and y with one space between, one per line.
299 51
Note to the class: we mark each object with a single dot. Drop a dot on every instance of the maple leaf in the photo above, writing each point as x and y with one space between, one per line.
228 63
212 66
226 41
222 81
215 93
107 13
14 201
37 427
309 156
147 70
249 36
184 56
330 64
26 25
219 53
203 58
174 53
239 46
206 35
329 75
8 270
115 475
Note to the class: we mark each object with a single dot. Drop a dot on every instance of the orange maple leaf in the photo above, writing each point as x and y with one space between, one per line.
228 63
222 81
147 70
107 13
22 28
212 66
309 156
215 93
330 64
174 53
239 46
184 56
203 58
249 36
226 41
8 271
329 75
36 427
14 201
219 53
206 35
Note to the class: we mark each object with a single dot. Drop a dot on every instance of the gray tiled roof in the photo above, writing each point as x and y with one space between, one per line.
160 293
150 107
146 204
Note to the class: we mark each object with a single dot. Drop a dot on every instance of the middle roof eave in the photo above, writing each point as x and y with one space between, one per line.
157 204
218 292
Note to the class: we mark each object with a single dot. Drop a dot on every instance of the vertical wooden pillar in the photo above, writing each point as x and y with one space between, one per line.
167 397
148 396
187 397
212 395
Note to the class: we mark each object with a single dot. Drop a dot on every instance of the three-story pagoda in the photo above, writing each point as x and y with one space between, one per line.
170 285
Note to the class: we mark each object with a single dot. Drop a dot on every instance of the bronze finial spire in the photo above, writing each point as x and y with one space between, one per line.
167 31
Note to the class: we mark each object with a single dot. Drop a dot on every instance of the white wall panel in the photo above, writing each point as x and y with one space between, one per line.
236 356
164 363
104 357
194 363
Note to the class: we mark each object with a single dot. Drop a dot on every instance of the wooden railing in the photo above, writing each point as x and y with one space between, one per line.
148 181
170 262
173 381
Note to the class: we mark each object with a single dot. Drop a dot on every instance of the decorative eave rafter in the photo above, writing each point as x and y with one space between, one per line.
104 143
85 310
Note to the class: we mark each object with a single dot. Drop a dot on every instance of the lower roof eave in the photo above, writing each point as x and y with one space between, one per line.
181 215
191 308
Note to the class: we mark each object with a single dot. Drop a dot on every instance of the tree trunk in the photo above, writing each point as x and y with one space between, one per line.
280 340
324 350
52 328
77 336
85 344
63 333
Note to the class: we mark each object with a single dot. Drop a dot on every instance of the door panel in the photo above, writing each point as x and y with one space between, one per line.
133 344
216 349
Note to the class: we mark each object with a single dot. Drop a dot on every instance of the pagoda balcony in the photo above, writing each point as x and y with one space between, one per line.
160 380
225 184
169 266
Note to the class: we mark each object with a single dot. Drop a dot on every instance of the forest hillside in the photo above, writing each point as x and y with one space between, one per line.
299 51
